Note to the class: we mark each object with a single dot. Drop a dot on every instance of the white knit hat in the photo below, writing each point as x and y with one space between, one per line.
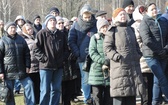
101 22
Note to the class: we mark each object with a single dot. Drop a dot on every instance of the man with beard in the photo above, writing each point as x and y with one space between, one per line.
79 38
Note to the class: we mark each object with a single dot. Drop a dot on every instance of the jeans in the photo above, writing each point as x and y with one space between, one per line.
129 100
17 85
28 91
160 81
84 81
50 86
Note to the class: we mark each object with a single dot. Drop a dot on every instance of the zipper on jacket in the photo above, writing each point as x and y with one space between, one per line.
161 35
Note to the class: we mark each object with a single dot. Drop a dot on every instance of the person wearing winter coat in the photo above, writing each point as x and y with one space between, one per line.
146 99
15 63
37 24
154 34
69 68
78 40
50 50
99 76
19 21
122 49
27 34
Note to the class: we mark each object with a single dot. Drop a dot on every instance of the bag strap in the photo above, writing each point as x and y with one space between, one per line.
113 30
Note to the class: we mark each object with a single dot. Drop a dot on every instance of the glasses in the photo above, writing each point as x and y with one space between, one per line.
61 23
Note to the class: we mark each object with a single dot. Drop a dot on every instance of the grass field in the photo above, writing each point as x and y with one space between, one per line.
19 100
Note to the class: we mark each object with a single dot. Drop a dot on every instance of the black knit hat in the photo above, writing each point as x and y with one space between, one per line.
127 3
54 9
99 13
35 17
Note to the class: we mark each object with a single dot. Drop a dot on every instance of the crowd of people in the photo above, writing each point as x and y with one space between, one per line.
129 54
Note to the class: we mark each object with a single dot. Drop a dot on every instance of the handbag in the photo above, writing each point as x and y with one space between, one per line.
4 92
87 64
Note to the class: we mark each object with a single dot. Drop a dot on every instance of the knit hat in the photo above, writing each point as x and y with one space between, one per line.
19 17
85 8
101 22
47 18
99 13
127 3
35 17
54 9
117 11
8 24
59 19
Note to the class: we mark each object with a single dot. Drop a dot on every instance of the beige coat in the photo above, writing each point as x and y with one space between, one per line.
137 16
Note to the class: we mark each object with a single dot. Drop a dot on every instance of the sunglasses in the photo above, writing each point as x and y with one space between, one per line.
61 23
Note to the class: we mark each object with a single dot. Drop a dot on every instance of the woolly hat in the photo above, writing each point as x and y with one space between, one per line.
59 19
47 18
8 24
85 8
117 11
101 22
54 9
35 17
127 3
20 17
99 13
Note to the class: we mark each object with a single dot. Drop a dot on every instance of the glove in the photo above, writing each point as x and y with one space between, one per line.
163 54
105 67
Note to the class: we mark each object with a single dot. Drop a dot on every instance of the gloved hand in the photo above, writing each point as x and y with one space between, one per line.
105 67
163 54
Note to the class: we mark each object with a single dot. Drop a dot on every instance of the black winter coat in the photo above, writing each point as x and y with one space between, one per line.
154 35
14 57
50 49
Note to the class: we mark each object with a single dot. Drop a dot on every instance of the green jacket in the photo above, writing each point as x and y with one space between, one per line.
97 55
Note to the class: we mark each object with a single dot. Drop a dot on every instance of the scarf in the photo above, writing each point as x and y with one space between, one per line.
86 25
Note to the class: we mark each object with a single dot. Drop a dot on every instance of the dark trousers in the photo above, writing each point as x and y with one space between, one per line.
148 82
35 77
68 90
101 95
130 100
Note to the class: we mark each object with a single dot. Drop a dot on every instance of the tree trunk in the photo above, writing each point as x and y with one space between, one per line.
4 6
